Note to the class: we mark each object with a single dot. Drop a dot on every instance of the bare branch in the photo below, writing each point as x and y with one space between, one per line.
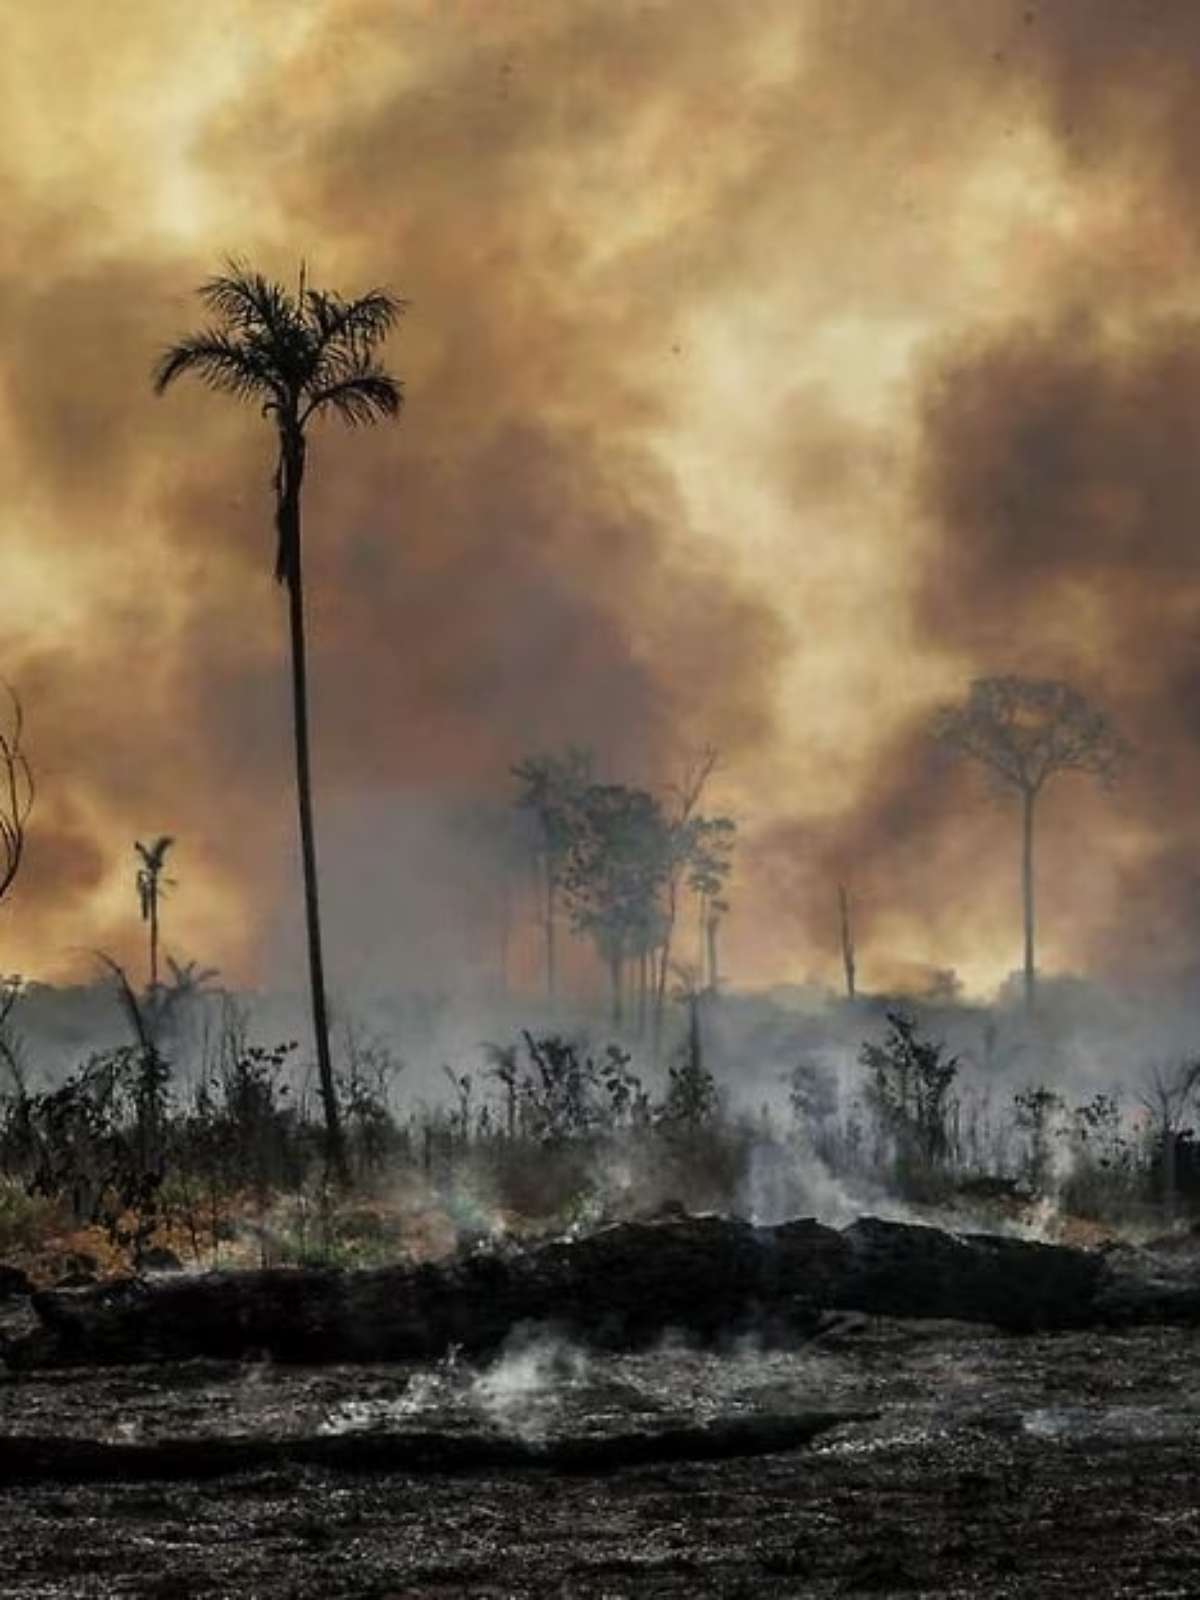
16 795
1167 1092
1027 730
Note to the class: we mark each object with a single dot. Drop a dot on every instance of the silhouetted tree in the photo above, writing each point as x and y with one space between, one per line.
1168 1094
908 1087
687 795
710 842
614 874
551 788
298 357
1026 731
150 887
16 795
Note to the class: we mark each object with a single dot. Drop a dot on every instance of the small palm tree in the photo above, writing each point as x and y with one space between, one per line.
151 885
298 357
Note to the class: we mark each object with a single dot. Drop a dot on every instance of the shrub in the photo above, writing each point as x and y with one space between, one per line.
908 1091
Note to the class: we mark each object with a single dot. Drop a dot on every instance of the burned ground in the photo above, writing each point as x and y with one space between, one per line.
1055 1464
860 1453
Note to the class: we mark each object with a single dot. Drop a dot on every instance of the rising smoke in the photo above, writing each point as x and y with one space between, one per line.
771 371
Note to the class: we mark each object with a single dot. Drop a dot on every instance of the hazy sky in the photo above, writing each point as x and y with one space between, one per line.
772 369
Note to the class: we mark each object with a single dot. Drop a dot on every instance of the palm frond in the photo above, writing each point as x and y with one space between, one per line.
345 334
154 854
304 354
263 317
360 398
229 365
359 323
250 302
128 999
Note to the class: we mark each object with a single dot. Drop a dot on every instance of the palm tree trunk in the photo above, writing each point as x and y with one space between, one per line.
1028 796
335 1149
154 936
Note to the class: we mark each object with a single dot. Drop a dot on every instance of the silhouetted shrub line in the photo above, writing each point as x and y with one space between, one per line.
551 1135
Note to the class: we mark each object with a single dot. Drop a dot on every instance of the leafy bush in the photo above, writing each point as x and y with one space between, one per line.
908 1090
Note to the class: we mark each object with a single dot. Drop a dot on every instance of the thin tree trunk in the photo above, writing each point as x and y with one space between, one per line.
660 997
711 930
1028 796
693 787
335 1144
505 931
614 972
1170 1151
154 936
848 961
551 954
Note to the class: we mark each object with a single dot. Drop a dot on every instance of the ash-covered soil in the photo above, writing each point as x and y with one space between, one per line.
993 1465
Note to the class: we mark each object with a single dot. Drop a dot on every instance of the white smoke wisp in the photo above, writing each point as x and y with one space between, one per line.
523 1393
783 1181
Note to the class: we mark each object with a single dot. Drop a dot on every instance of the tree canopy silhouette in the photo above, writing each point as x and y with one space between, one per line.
1026 731
298 357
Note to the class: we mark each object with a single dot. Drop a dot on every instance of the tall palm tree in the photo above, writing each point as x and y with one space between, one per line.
298 357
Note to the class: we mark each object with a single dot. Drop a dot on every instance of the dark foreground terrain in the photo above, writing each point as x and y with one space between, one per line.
1050 1464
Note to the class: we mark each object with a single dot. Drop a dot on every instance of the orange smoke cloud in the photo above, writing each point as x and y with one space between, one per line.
771 371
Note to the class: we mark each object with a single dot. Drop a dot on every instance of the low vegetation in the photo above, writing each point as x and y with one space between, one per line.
131 1160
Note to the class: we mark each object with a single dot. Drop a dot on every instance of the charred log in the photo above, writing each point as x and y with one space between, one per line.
619 1288
14 1284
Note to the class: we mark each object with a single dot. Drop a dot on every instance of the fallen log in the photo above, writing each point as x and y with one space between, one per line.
897 1269
620 1287
42 1458
14 1284
1139 1286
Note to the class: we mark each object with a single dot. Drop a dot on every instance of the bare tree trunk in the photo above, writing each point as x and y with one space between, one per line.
711 933
847 930
1170 1150
1028 796
615 978
335 1144
693 787
660 995
16 797
551 951
505 930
